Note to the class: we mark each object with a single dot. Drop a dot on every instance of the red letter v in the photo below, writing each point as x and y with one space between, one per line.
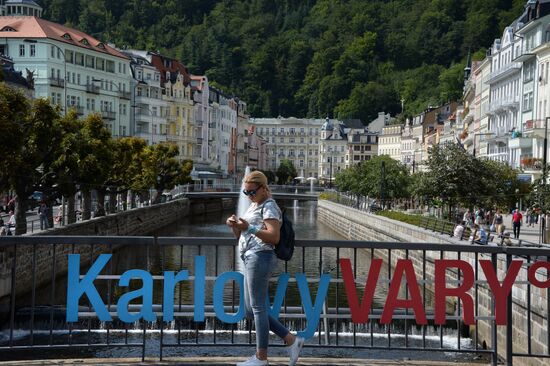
360 312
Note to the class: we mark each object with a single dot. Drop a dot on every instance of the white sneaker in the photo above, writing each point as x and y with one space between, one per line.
253 361
294 350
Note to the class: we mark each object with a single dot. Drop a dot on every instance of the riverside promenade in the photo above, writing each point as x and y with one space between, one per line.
226 361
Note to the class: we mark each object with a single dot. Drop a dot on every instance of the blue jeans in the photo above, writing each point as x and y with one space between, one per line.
44 222
258 267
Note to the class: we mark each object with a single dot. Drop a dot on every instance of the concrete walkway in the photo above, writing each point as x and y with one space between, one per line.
530 234
225 361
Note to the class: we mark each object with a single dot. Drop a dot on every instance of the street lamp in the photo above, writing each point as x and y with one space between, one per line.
64 69
140 106
480 134
34 41
117 119
331 158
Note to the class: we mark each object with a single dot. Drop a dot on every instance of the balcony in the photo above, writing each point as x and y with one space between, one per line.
509 102
78 109
108 115
60 83
124 94
534 128
503 72
530 164
525 55
520 143
91 88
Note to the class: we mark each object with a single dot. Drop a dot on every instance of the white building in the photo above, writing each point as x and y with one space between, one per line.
332 150
295 139
221 128
533 51
71 68
20 7
389 142
504 102
149 108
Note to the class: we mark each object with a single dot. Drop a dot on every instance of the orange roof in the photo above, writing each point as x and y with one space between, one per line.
200 79
32 27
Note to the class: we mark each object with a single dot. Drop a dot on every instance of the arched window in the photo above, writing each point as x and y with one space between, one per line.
85 42
67 36
7 28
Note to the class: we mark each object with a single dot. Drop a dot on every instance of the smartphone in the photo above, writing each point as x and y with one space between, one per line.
232 220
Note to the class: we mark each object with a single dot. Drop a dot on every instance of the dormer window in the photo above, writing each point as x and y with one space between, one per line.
67 36
85 42
101 45
8 29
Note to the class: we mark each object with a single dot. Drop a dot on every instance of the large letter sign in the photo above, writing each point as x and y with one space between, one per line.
79 285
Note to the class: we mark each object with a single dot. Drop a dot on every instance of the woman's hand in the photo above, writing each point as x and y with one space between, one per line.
231 221
241 225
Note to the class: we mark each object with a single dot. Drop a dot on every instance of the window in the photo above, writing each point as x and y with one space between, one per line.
67 36
21 50
52 53
529 72
79 59
85 42
69 56
33 50
100 64
90 61
528 101
110 66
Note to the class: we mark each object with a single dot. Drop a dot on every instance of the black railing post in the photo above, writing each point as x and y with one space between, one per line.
494 330
509 321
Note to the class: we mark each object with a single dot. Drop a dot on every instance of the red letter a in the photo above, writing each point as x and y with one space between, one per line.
441 292
500 293
360 313
415 302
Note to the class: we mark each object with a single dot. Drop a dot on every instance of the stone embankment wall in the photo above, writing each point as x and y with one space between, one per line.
358 225
135 222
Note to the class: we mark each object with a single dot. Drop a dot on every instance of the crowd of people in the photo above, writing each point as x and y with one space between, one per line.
484 222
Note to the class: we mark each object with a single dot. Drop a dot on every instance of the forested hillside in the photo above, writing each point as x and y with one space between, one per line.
345 58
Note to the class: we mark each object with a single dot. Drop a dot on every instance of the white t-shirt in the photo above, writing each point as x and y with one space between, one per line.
250 242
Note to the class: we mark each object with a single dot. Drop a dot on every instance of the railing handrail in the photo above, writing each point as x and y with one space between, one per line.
7 241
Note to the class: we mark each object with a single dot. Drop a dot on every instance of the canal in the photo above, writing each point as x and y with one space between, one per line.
311 261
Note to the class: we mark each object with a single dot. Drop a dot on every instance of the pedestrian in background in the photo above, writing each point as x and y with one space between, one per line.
528 214
517 217
498 222
43 215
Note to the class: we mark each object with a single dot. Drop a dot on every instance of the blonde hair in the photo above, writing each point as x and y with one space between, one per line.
257 177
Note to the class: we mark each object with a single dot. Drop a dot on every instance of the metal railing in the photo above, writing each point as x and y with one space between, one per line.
38 323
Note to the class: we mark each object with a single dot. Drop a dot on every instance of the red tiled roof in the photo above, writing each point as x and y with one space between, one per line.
176 66
32 27
198 78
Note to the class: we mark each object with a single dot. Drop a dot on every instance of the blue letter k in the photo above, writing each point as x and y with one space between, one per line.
77 288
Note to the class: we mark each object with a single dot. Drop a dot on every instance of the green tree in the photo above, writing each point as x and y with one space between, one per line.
384 178
161 169
66 164
286 172
30 134
96 160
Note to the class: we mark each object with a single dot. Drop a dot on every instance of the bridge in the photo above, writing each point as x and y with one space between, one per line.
276 195
33 323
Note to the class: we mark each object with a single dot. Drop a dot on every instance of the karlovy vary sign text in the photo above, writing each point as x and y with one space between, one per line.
77 287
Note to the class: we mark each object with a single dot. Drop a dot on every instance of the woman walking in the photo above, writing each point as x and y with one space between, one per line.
258 233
